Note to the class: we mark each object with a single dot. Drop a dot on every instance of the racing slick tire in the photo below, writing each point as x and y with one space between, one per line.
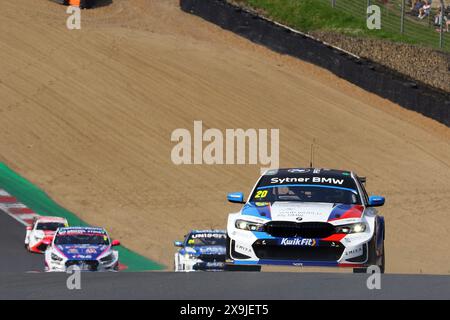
233 267
373 258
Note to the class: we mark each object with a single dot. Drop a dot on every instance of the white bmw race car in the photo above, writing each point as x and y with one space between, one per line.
40 234
88 248
307 217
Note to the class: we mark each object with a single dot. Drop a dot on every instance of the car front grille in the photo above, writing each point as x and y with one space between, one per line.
212 257
42 247
303 230
275 252
84 265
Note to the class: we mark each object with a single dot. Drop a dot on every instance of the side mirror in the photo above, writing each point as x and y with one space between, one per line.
236 197
178 244
376 201
115 243
29 228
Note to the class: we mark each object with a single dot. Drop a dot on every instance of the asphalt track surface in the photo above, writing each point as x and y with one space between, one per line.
14 257
21 277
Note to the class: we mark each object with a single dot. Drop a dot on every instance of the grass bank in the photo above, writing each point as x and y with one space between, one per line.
349 17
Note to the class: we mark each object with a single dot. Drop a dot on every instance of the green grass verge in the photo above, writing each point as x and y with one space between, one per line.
349 18
36 199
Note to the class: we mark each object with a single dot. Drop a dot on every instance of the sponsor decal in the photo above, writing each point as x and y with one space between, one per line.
208 235
210 250
297 213
238 247
302 242
75 231
322 180
354 252
333 244
82 256
215 264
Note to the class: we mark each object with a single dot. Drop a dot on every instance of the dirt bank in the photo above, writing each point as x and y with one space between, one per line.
423 64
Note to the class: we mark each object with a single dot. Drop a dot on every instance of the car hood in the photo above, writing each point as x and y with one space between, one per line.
206 250
86 252
303 211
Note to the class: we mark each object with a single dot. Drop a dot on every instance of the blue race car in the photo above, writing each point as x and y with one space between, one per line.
201 250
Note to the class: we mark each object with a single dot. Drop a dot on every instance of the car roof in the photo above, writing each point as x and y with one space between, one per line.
51 219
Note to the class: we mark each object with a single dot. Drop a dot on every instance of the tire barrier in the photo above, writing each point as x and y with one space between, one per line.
369 75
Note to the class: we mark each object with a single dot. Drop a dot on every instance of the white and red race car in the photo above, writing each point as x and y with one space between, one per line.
40 234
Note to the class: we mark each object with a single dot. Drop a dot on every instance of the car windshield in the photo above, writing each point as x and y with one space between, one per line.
306 193
91 239
49 226
206 239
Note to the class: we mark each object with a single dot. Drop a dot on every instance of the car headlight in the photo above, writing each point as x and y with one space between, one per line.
189 256
351 228
249 226
39 236
56 257
107 259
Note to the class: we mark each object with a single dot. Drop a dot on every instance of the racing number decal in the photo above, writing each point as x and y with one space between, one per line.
261 194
